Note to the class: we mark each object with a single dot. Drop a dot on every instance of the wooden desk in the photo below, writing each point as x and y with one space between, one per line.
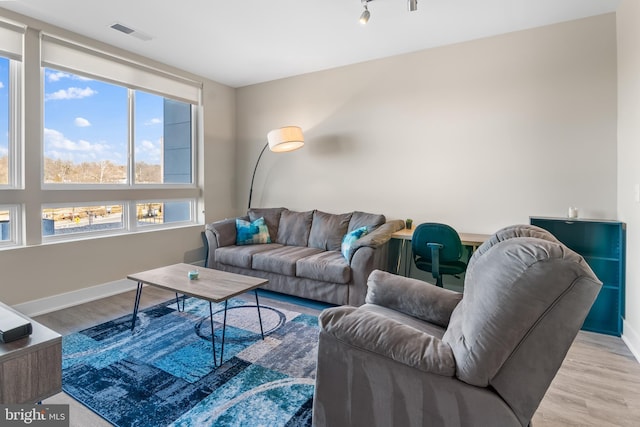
468 239
472 240
31 367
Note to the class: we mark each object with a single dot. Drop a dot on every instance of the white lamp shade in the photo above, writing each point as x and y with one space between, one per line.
284 139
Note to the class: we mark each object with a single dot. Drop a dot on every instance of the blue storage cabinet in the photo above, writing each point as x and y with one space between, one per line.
602 244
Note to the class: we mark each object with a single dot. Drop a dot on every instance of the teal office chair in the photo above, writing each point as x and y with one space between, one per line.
437 249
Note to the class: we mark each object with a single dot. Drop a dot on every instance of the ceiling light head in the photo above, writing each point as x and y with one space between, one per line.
364 18
413 5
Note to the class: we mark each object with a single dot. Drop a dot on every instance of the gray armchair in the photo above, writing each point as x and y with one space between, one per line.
419 355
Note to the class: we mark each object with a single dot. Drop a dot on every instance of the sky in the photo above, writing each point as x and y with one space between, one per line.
86 120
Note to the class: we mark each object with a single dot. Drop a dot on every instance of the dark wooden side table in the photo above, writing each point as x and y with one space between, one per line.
31 367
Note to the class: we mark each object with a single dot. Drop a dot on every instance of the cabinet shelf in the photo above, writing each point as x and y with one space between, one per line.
602 243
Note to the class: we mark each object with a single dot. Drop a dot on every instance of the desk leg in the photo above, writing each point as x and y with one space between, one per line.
213 341
398 261
259 316
408 259
136 304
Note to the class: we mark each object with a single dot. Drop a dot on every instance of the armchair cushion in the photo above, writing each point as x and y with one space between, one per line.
508 291
388 337
413 297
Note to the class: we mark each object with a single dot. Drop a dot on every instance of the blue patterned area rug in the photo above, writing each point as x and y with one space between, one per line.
163 373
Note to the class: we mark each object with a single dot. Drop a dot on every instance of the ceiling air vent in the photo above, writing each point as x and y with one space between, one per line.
130 31
122 28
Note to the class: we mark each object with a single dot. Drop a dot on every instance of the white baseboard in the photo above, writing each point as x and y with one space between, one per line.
69 299
632 339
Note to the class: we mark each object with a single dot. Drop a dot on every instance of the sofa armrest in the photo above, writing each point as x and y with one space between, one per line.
380 235
224 231
413 297
389 338
218 234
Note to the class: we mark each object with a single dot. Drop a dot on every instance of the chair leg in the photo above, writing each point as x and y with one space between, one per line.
439 282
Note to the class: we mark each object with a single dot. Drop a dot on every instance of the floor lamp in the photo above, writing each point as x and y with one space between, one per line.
279 140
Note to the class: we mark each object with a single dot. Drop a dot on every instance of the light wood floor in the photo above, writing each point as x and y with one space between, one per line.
598 384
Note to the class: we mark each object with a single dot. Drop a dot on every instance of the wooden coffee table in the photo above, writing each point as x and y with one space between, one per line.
211 285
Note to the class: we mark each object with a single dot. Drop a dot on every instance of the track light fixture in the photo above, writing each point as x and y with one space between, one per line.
412 5
364 18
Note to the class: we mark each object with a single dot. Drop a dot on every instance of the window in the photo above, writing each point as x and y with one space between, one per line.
11 41
85 130
4 121
163 140
118 127
10 226
64 220
167 212
10 59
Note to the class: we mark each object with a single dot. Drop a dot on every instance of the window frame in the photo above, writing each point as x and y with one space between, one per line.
131 144
14 148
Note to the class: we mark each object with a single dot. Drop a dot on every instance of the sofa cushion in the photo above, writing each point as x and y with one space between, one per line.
327 230
281 260
249 233
294 228
348 242
271 218
241 256
363 219
327 266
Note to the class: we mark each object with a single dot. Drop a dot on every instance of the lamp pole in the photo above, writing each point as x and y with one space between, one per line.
254 174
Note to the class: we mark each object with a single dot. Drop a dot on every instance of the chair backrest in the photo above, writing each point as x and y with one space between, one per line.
525 300
431 232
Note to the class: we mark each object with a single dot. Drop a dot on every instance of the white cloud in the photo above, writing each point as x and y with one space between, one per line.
149 151
81 122
4 151
58 146
56 76
71 93
1 85
154 121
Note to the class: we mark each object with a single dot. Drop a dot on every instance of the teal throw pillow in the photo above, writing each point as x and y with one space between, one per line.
349 239
250 233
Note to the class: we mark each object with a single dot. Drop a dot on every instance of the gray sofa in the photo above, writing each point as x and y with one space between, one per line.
304 257
419 355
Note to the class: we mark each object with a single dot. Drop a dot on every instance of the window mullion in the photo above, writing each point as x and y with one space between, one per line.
15 128
130 138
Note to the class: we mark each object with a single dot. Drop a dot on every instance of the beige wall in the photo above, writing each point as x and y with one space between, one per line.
479 135
628 17
41 271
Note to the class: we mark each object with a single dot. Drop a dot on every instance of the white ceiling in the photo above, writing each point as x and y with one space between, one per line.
242 42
